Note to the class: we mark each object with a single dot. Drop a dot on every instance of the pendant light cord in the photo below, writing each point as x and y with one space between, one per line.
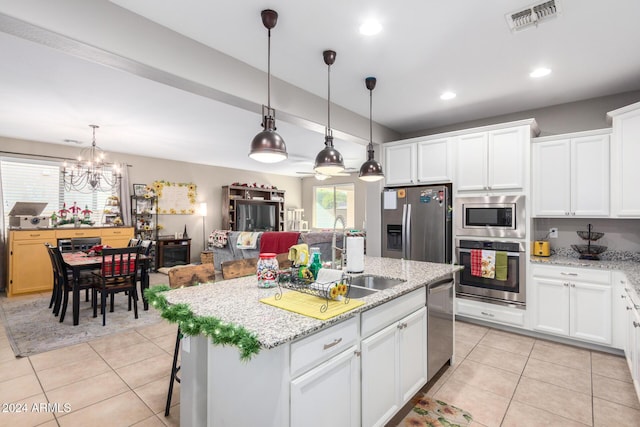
371 119
329 99
269 72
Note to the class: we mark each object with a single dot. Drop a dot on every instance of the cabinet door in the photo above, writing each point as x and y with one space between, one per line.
471 165
625 171
619 314
506 159
328 395
434 161
630 351
31 269
551 306
413 354
379 376
590 176
551 183
591 312
635 328
400 164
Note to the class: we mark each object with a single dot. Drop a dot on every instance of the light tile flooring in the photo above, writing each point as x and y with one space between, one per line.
505 379
502 379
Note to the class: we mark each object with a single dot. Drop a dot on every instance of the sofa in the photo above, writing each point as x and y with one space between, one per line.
230 251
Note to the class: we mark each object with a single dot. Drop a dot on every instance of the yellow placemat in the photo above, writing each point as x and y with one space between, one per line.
309 305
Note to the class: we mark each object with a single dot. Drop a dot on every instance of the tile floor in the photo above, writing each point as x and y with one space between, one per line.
509 380
502 379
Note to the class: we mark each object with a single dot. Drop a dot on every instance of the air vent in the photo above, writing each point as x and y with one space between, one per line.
533 15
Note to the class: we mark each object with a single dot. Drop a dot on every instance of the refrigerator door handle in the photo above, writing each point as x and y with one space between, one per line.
408 244
404 231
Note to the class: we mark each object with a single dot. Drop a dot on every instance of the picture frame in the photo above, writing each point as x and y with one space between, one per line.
138 190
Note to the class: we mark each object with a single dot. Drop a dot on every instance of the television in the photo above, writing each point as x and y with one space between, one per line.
256 215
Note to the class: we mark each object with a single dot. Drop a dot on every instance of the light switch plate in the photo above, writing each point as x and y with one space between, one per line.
553 233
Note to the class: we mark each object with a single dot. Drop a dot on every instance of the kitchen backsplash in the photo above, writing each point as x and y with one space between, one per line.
621 236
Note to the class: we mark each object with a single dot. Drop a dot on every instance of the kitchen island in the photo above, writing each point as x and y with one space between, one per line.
309 371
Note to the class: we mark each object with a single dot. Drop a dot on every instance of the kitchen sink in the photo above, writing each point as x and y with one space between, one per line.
356 292
371 281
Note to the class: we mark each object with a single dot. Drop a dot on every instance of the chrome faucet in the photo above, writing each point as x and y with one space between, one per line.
333 243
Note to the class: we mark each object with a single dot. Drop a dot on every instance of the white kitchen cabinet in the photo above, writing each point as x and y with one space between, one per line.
394 367
619 316
571 175
492 160
573 302
328 395
625 152
400 164
418 162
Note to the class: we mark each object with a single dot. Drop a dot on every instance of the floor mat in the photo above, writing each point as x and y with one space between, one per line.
429 412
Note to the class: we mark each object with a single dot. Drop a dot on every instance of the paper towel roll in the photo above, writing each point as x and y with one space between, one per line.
355 254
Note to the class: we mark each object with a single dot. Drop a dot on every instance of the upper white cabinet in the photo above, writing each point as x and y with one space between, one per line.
418 163
625 152
492 160
571 175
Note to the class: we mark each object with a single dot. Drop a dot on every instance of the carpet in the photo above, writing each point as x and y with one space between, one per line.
429 412
32 328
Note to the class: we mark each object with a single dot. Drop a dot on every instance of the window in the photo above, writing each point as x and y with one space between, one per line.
28 180
329 201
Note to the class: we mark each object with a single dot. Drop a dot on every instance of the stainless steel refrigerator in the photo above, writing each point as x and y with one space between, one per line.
416 223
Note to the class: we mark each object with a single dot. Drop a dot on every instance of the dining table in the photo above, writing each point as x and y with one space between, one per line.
81 261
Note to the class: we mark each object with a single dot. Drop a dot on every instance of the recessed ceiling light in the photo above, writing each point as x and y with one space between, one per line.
540 72
370 27
447 95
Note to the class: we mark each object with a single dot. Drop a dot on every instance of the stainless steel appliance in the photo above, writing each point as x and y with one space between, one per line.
416 223
439 325
491 216
510 291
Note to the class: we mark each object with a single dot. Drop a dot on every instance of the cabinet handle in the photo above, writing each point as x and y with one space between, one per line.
568 274
565 284
357 353
622 282
335 342
622 296
573 214
400 325
629 308
636 324
573 285
487 314
34 235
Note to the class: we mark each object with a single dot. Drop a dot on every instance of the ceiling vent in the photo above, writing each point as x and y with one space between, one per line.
533 15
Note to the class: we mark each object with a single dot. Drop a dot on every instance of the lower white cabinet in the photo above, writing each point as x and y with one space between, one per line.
394 367
329 394
573 302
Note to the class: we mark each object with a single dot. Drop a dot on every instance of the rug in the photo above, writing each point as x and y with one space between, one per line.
429 412
32 328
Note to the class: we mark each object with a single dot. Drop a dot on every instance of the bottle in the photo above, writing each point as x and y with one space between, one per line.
267 270
316 262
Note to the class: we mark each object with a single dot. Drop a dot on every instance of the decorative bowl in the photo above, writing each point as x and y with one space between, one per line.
589 251
594 235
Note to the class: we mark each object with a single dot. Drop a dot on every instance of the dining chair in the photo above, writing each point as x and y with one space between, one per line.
180 278
84 243
118 273
55 290
63 282
133 242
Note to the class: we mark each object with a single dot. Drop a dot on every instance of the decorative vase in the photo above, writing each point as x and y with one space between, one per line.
185 235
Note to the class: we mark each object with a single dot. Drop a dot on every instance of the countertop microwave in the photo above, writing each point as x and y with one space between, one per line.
491 216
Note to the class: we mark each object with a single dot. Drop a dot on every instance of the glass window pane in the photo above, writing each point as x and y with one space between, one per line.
331 201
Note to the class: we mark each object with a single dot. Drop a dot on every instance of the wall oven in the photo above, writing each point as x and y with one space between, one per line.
508 292
491 216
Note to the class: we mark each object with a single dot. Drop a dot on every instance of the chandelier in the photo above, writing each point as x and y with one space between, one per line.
90 172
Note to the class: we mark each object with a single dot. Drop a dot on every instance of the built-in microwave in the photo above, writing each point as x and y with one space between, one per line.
490 216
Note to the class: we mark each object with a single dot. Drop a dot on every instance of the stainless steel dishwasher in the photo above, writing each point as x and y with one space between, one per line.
439 324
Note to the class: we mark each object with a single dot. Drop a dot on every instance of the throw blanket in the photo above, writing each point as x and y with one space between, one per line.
278 242
320 237
247 240
219 238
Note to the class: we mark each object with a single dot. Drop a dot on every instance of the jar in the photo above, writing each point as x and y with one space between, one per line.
267 270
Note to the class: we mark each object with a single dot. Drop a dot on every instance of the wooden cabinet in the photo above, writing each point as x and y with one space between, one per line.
394 359
625 152
492 160
172 252
29 263
29 267
237 202
573 302
571 175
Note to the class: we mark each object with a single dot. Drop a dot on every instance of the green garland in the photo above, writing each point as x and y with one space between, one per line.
220 333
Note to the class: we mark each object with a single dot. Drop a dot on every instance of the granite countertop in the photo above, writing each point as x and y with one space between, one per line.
630 267
237 300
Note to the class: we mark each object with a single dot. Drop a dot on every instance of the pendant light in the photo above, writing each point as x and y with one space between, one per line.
329 161
268 146
371 170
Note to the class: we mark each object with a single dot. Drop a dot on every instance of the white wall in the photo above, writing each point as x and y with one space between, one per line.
208 179
620 234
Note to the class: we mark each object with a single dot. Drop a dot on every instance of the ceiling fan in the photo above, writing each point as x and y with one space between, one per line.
322 177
